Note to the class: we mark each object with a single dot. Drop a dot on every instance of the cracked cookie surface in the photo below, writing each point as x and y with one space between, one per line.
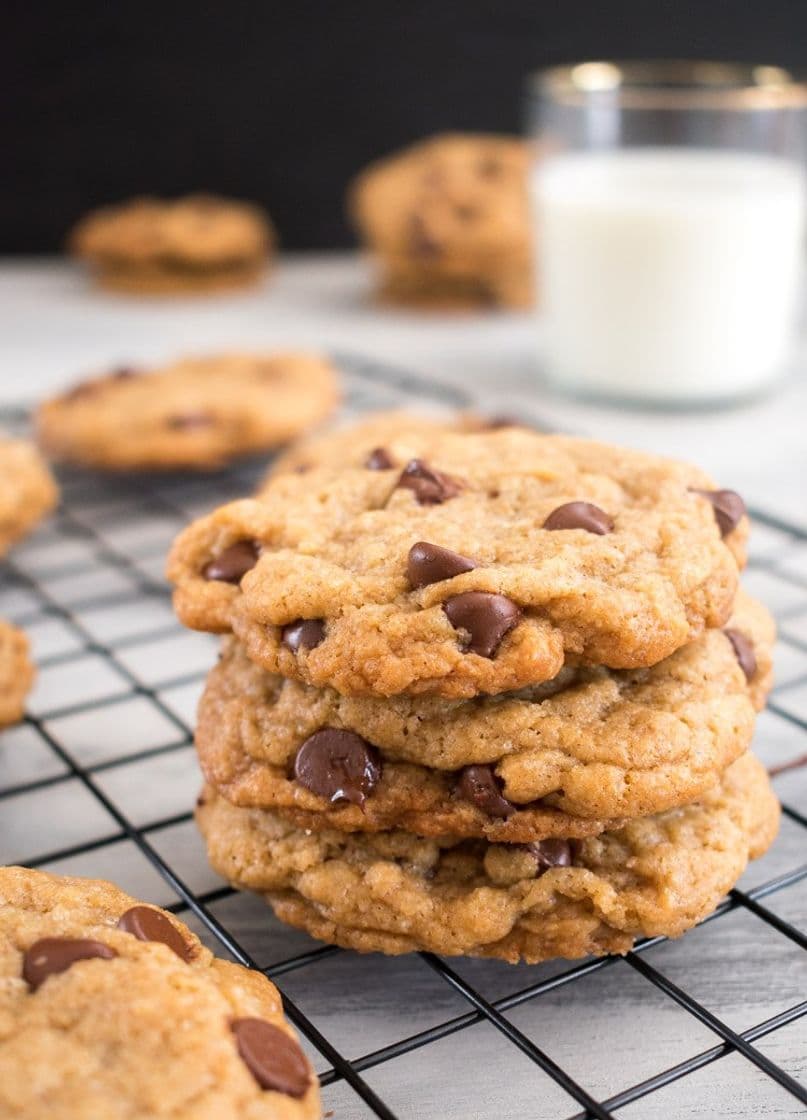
568 759
448 220
394 893
525 577
111 1008
195 413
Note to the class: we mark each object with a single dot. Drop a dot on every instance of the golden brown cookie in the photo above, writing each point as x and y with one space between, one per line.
394 893
481 569
27 490
194 244
448 221
567 759
196 413
377 438
111 1008
16 673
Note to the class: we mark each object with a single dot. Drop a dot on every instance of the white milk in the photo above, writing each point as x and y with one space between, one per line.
669 274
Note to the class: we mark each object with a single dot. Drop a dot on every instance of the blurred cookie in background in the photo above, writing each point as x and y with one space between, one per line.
448 222
27 490
16 673
153 246
196 413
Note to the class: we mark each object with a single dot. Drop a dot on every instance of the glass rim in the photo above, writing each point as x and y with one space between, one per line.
672 84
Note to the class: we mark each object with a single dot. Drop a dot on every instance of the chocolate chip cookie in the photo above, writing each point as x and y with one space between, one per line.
196 413
376 441
16 673
111 1008
448 221
484 568
566 759
157 246
395 893
27 490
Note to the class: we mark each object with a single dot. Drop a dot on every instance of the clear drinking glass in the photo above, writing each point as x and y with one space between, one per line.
670 207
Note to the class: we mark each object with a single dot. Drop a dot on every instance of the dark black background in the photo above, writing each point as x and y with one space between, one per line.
283 102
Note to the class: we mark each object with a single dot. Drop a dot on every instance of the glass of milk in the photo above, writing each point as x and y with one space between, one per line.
670 204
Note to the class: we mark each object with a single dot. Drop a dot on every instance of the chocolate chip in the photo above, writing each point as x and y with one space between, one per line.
337 764
189 421
430 487
479 785
551 853
148 924
495 423
272 1057
421 243
466 213
489 167
57 954
430 563
302 468
231 565
305 633
728 506
743 651
580 515
124 373
378 460
487 618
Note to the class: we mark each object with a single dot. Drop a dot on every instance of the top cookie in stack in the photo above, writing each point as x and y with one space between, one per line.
483 563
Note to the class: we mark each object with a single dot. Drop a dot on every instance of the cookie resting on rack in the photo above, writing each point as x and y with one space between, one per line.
27 490
378 441
448 222
16 673
113 1009
197 413
396 893
484 568
153 246
565 759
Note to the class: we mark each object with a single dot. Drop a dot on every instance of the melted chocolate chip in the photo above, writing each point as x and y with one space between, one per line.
421 243
495 423
272 1057
480 786
305 633
338 765
430 487
743 651
124 373
551 853
231 565
489 167
56 954
189 421
430 563
379 459
487 618
147 924
466 213
728 506
580 515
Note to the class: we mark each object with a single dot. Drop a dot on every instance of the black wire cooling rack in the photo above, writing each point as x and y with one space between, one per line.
82 780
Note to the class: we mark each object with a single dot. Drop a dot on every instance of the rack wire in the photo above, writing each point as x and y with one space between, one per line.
112 715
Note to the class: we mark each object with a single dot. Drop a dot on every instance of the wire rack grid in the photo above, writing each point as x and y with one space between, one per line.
100 779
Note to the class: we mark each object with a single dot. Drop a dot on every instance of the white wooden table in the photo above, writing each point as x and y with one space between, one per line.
610 1028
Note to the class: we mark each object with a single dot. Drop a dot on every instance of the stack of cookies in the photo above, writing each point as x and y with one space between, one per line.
482 692
447 222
